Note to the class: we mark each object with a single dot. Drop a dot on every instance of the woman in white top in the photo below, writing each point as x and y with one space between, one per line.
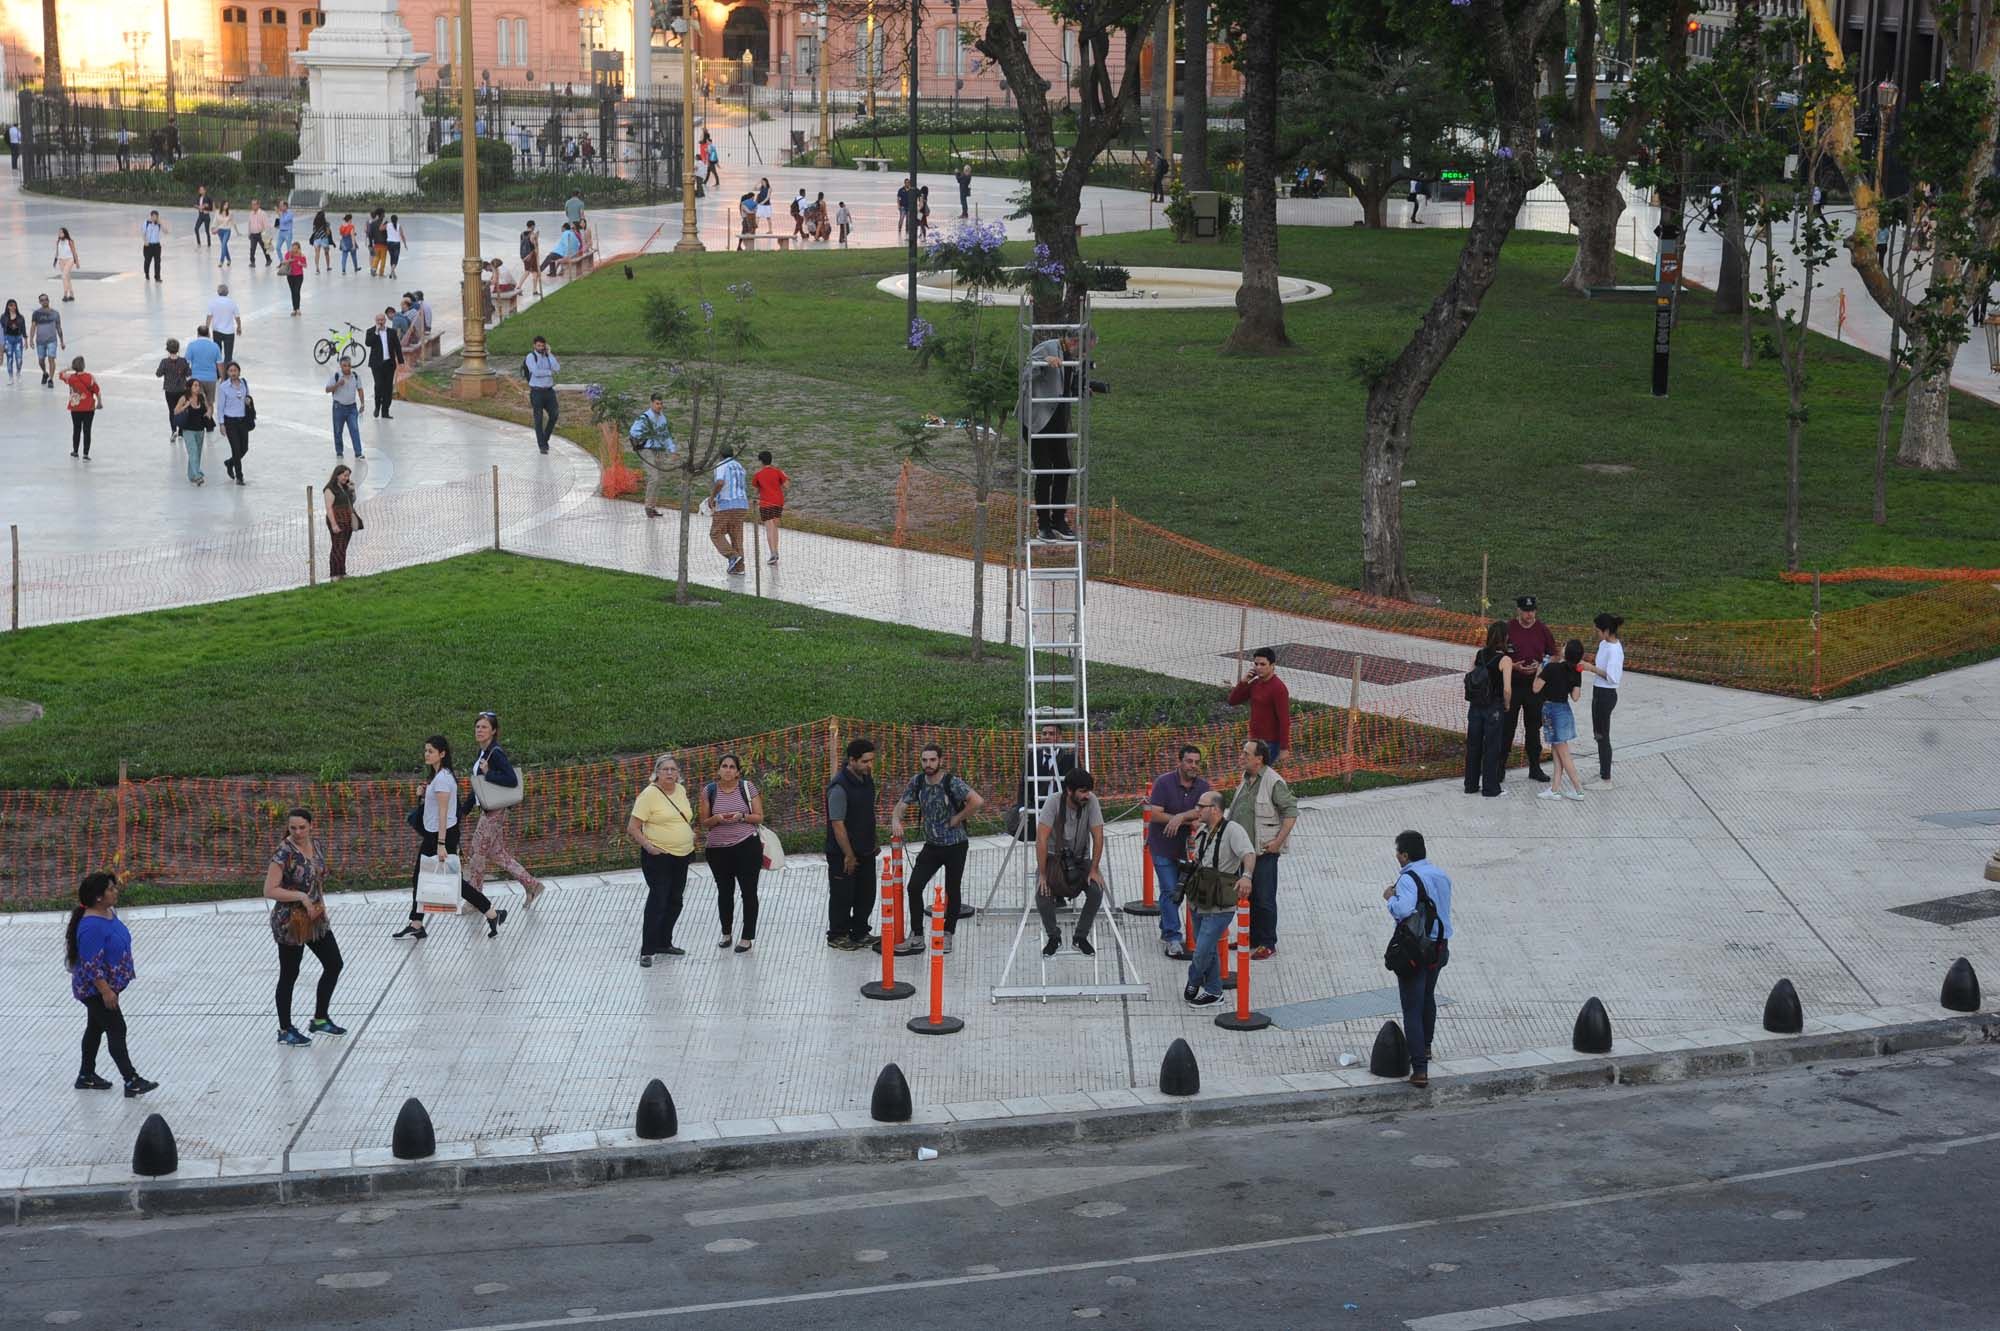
1609 667
435 820
65 259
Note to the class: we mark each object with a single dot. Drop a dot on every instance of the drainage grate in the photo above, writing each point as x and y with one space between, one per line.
1963 909
1341 1007
1333 661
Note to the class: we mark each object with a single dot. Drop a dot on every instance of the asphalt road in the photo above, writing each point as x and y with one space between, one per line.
1857 1196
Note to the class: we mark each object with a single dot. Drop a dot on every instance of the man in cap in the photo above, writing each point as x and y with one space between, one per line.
1533 644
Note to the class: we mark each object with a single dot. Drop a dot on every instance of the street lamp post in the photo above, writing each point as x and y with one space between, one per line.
167 47
690 240
825 155
474 378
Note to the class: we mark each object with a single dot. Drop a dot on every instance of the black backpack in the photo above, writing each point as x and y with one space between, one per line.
1482 685
1415 943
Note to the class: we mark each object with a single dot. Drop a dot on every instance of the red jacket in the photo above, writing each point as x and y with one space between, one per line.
1270 711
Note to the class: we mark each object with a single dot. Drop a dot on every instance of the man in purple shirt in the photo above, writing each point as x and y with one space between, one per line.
1171 807
1532 643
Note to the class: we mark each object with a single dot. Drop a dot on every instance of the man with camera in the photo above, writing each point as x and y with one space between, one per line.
1046 380
1218 873
1069 848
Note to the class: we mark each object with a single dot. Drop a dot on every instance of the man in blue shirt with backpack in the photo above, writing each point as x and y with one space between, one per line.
1421 890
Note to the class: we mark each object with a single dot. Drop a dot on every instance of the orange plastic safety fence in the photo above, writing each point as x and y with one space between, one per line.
1896 573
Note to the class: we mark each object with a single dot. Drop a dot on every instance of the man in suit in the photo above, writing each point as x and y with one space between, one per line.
385 353
1054 760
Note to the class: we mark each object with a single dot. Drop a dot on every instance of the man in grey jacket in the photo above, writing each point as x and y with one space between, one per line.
1045 377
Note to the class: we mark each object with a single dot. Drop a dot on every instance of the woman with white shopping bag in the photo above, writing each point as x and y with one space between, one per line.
435 819
496 788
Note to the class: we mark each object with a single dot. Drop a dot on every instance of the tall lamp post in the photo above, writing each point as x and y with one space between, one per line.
474 378
167 46
825 155
690 240
910 324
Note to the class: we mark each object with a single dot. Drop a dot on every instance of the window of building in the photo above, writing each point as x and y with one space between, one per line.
235 42
521 42
506 31
447 33
861 70
274 41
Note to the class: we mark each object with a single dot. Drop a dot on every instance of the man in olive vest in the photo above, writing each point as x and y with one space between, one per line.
1266 808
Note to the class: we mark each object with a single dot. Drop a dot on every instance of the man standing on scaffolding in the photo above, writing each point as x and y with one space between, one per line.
1045 377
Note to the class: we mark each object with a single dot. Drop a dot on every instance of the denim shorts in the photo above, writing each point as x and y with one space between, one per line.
1558 722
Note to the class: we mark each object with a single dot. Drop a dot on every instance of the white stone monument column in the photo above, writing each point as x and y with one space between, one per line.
362 130
642 48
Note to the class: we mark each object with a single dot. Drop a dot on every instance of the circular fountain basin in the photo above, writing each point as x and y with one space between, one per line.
1149 289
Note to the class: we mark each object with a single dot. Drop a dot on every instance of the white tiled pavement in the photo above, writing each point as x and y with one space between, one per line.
1721 861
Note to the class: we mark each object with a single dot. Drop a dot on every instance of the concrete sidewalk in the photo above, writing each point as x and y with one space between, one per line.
1783 845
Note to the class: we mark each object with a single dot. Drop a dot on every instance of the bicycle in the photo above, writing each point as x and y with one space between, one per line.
349 346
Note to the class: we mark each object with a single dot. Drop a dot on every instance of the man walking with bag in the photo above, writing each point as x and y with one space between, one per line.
653 440
540 367
1420 904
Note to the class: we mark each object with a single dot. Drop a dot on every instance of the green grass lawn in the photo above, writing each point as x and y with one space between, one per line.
1540 443
582 664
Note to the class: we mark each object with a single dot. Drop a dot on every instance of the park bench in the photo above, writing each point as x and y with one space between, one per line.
505 303
872 163
1630 292
749 241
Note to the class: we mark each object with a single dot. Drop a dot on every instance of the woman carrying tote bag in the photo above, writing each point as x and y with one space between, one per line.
496 788
435 820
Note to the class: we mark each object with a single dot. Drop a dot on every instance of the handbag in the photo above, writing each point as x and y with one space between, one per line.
249 413
437 889
302 921
1205 886
494 798
774 849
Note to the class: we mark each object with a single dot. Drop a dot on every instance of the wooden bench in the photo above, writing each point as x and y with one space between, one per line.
748 240
872 163
505 303
1632 292
584 261
432 346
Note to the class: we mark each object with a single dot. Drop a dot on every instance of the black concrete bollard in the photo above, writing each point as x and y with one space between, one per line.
1782 1013
1391 1055
891 1101
413 1138
657 1118
155 1153
1961 988
1593 1029
1179 1073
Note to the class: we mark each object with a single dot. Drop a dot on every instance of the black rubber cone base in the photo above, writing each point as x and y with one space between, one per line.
1782 1013
1593 1029
891 1101
414 1138
876 989
925 1026
1961 988
657 1117
1256 1021
154 1152
1179 1073
1391 1055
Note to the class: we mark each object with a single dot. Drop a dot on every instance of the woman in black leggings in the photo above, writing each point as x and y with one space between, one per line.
436 822
1608 664
296 880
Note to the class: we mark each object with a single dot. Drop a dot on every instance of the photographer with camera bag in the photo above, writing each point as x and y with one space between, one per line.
1221 860
1420 904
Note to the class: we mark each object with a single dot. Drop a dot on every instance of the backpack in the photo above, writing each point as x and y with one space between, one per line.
1415 942
1482 688
743 782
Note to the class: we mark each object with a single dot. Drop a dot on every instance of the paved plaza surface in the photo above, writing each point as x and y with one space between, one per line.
1780 845
1851 1197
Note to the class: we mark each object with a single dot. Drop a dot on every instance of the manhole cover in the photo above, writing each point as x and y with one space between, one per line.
1962 909
1334 661
18 712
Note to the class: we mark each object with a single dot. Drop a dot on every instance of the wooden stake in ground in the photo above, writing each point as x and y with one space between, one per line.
1242 640
312 543
1353 720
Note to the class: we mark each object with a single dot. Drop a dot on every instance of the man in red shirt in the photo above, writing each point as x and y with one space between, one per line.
1270 704
770 482
1532 644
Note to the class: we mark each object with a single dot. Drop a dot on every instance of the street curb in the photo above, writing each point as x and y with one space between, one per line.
899 1141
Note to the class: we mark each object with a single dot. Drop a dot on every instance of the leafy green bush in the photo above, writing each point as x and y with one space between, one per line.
933 120
1103 275
496 160
210 169
268 158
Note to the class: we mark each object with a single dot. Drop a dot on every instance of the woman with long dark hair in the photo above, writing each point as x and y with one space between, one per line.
296 880
494 779
65 260
341 519
1486 715
98 948
1559 684
732 809
1609 666
436 821
14 333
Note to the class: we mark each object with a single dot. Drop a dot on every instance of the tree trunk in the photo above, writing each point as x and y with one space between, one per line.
1162 119
1260 321
1729 281
1386 444
1891 390
1595 205
1374 207
982 486
1194 96
1927 425
51 52
687 525
1794 361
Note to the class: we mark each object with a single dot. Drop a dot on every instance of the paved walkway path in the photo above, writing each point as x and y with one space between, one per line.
1717 865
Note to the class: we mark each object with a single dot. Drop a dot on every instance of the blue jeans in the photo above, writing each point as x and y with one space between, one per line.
1264 901
223 236
1205 971
347 253
192 440
14 350
349 415
1167 878
1420 1009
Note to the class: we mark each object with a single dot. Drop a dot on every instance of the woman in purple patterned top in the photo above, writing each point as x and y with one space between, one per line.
98 947
296 880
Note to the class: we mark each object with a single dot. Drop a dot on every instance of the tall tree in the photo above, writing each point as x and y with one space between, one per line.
1161 126
1374 112
1055 182
1947 143
1502 38
1194 94
1260 313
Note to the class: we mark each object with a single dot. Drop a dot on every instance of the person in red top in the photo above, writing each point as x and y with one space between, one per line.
1532 644
770 483
1270 704
84 400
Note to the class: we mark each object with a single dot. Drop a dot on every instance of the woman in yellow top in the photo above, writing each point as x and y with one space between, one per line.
662 823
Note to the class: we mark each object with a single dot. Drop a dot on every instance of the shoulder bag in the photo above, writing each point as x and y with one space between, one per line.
1205 886
1416 938
494 798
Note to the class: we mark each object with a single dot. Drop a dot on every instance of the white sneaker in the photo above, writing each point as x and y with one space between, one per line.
1573 795
1547 795
1605 784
